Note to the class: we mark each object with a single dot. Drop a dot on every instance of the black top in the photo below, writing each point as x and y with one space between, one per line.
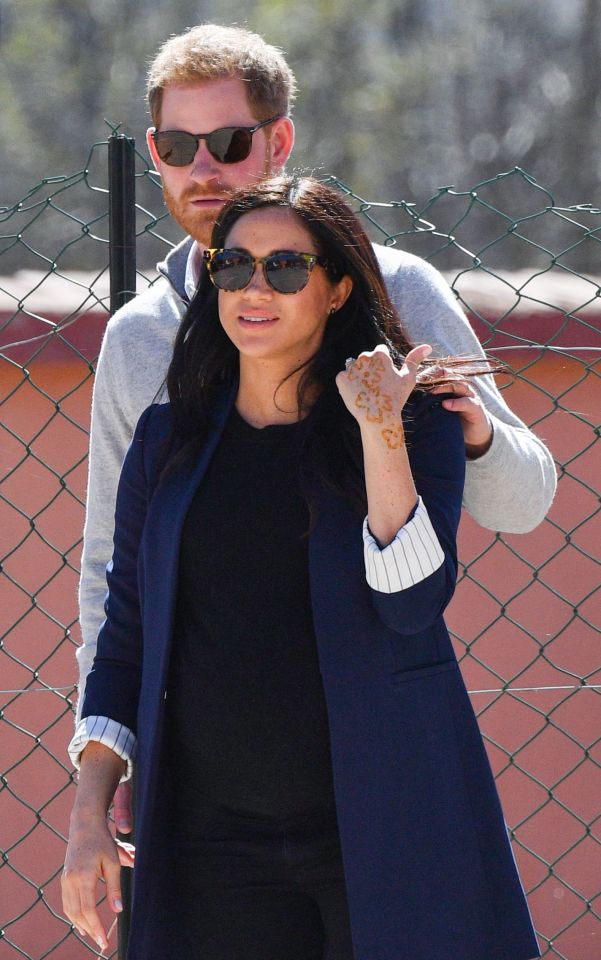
246 703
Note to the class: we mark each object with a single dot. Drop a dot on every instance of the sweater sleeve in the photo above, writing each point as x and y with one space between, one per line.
512 486
111 432
113 684
133 362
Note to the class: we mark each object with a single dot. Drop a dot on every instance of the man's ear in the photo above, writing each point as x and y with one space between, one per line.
281 141
152 148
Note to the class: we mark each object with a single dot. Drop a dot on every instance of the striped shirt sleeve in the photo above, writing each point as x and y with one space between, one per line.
111 734
414 554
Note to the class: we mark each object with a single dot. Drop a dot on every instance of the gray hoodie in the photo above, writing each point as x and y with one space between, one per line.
509 488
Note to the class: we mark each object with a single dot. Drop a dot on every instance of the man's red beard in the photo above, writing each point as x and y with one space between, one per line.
197 223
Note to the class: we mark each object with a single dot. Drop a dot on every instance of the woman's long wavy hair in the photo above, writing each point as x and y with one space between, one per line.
205 361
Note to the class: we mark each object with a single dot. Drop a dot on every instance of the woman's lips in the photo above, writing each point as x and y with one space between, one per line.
256 320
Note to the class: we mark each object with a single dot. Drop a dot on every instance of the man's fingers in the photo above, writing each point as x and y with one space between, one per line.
467 407
122 811
459 387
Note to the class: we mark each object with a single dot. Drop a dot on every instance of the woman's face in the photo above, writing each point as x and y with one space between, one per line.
267 325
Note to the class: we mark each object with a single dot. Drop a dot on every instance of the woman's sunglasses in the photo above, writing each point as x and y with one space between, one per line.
284 271
226 145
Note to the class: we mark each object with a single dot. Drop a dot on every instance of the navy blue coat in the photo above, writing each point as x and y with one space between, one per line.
428 866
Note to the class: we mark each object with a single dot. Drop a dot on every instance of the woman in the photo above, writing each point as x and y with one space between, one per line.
311 782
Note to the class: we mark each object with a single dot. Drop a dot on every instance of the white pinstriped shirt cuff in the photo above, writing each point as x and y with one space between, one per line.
413 555
108 732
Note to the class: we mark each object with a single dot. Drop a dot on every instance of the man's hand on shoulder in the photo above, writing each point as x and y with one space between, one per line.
122 807
476 424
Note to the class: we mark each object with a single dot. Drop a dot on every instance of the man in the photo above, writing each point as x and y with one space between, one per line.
203 82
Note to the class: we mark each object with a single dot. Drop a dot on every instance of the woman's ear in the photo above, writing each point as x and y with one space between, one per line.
340 293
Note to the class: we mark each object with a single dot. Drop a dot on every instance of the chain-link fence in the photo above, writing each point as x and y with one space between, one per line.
525 618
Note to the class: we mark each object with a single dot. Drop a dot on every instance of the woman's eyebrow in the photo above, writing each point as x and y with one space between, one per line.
273 253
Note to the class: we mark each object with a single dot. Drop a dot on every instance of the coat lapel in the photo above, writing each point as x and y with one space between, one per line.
162 536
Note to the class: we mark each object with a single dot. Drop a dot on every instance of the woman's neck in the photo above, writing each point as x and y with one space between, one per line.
268 393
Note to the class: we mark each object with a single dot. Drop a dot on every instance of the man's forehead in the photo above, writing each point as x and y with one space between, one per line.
213 103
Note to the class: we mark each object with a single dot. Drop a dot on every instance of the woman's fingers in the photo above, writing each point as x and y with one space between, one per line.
91 856
90 918
72 905
79 904
416 355
110 872
375 391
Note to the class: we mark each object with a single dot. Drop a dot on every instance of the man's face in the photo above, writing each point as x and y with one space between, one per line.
195 194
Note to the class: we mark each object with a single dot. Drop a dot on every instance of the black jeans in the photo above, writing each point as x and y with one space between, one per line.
250 890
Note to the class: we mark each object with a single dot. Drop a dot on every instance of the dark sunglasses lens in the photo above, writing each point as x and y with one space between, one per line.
230 271
287 273
176 148
230 144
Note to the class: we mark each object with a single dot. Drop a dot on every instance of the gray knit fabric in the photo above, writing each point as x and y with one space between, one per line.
510 488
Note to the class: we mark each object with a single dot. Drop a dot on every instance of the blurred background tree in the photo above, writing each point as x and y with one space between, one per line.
397 97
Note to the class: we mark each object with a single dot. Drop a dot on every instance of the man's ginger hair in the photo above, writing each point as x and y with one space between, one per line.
212 52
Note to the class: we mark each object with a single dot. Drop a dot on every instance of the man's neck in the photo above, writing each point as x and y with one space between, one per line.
193 269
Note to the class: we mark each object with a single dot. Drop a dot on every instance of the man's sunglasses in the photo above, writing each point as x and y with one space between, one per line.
226 145
284 271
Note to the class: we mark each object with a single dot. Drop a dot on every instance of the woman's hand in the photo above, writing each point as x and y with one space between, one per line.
375 391
92 852
91 856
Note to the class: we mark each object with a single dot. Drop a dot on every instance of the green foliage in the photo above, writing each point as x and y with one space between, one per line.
396 96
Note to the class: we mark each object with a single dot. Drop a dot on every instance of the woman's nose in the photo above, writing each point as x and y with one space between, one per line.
257 283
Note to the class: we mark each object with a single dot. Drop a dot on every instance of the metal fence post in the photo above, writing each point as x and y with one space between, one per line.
122 268
122 220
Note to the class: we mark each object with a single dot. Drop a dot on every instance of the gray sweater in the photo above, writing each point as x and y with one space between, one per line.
510 488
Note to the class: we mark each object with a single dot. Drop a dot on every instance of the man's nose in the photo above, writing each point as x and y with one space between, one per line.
204 166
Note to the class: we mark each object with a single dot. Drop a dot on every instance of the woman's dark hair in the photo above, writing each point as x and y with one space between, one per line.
205 360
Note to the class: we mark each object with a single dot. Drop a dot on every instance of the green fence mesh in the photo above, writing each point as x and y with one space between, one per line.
525 619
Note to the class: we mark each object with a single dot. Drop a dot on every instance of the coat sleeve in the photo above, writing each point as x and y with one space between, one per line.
113 684
511 487
436 455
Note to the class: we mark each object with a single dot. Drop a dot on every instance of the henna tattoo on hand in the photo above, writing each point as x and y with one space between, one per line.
378 406
375 407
